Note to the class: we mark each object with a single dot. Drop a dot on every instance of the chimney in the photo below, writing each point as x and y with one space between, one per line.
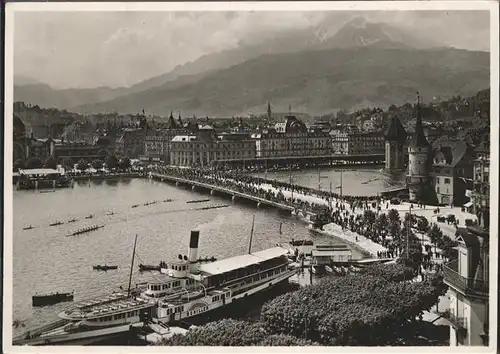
193 251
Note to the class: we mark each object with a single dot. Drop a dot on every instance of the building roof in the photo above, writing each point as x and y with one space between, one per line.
331 252
395 131
463 235
38 171
245 260
419 139
180 138
450 152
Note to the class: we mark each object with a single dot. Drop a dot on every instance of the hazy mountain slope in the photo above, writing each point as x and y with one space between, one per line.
317 82
325 35
356 32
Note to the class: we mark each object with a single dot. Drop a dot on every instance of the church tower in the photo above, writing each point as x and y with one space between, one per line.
419 148
395 139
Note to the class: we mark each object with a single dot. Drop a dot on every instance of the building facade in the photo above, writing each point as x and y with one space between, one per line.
366 143
131 142
291 138
205 148
452 171
340 142
73 152
481 176
395 141
468 280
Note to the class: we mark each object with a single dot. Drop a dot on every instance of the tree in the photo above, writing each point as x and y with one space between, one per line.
66 163
382 221
18 164
125 163
393 216
391 272
82 165
33 163
97 164
356 309
423 224
435 234
112 162
51 162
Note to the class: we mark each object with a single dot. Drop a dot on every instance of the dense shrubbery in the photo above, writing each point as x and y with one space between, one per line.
353 310
231 332
390 272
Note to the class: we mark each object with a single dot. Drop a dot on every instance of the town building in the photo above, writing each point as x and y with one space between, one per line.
481 179
365 143
395 140
419 160
131 142
291 138
340 142
72 152
204 148
468 280
452 171
157 141
39 149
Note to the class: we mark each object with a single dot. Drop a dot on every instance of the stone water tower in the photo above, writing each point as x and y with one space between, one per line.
419 150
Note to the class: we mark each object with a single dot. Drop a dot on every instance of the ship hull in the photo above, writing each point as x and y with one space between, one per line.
79 338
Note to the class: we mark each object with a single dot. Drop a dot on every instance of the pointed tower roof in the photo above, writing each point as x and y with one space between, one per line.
395 131
171 122
418 139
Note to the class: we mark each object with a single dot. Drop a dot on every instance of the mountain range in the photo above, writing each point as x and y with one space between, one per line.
318 70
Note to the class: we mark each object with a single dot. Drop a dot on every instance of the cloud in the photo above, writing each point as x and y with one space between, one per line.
88 49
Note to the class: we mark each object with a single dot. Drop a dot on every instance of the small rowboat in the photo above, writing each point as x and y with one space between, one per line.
89 217
105 267
56 223
72 220
28 227
197 201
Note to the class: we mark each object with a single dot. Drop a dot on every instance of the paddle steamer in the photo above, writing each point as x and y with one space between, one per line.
185 288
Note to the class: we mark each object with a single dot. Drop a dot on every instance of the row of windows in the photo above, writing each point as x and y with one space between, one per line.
446 180
118 316
198 310
165 286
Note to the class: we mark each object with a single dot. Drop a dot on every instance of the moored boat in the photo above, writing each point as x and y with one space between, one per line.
72 220
28 227
184 289
51 299
145 267
90 216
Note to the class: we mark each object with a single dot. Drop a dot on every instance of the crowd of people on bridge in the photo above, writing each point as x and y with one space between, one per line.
341 210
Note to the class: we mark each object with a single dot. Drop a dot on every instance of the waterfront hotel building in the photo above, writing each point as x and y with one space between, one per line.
205 147
291 138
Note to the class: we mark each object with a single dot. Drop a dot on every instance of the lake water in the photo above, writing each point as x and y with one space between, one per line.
361 181
45 260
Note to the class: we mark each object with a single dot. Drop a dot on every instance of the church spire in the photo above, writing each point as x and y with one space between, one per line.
268 109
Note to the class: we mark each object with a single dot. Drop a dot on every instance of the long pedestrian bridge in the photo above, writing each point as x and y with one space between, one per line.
222 190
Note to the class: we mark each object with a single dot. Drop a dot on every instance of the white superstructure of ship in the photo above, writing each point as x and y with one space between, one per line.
184 289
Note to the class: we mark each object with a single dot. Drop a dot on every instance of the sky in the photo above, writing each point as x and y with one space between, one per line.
116 49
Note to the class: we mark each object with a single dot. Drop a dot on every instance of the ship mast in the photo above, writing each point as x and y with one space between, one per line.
251 236
131 267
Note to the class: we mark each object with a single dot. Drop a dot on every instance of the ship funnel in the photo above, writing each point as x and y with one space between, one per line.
193 251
